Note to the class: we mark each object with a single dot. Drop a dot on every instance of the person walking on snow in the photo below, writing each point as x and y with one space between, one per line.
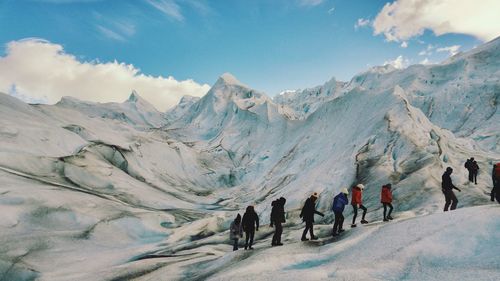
250 224
277 218
495 176
473 168
467 166
386 200
357 202
447 188
307 215
235 231
338 206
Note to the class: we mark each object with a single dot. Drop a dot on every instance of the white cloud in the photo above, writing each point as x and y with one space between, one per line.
168 7
42 71
110 33
400 62
425 61
115 29
427 51
404 44
404 19
361 23
453 50
310 2
332 9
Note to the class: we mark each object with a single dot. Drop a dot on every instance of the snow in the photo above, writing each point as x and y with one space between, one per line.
113 191
459 245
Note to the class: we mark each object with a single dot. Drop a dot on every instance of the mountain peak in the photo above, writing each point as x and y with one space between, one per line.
229 79
134 97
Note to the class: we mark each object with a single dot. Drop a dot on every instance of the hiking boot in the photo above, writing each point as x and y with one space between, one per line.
364 221
341 230
390 218
335 234
386 219
279 244
250 248
304 239
353 225
314 238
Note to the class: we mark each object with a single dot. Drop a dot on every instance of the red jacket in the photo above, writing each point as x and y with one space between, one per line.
356 196
386 195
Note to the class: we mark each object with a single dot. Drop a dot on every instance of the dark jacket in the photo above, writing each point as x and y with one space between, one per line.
447 184
250 220
473 166
308 211
467 164
339 202
495 173
278 211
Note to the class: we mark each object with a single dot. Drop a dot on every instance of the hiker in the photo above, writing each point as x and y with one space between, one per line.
307 215
235 231
250 224
495 176
338 206
277 218
447 188
473 168
386 200
357 202
467 166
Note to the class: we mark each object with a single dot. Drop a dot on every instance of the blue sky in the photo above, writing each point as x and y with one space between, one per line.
271 45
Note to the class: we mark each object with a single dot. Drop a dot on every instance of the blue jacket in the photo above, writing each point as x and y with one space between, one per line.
339 202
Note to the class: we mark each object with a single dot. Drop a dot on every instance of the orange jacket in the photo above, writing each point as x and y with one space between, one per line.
386 195
356 196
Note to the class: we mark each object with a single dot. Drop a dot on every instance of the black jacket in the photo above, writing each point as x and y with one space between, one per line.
474 167
278 211
250 221
471 165
308 211
447 184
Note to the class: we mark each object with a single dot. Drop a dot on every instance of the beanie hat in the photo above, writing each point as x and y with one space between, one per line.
315 194
360 185
344 190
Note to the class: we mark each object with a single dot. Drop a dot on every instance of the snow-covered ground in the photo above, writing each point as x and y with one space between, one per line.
119 191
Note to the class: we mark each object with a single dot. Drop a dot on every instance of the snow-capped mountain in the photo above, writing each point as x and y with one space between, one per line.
121 191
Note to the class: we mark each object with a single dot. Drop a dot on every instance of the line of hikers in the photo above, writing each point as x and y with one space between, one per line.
250 221
471 165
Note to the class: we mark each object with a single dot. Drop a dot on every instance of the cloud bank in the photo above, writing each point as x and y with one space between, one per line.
404 19
37 70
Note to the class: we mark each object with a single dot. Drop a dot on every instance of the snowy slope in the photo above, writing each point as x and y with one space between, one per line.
299 104
119 190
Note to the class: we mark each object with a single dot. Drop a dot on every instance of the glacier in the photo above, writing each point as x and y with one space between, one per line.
121 191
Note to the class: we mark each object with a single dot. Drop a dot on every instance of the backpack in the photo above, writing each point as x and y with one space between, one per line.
497 171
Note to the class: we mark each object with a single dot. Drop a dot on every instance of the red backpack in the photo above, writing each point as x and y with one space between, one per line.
497 171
